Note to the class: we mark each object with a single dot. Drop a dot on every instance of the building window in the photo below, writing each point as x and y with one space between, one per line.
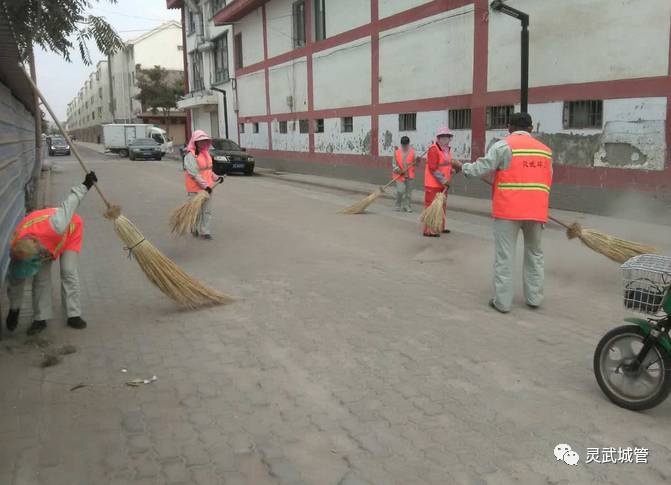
499 116
100 93
320 19
197 71
459 119
221 59
347 124
319 128
242 127
255 127
100 112
217 5
283 127
304 126
407 122
583 114
238 51
299 23
192 22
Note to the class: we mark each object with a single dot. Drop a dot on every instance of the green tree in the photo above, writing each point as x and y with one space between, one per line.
45 122
159 89
59 26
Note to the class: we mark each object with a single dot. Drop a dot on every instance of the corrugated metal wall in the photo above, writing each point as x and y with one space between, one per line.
17 162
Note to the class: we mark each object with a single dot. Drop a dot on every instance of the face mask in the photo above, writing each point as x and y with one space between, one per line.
444 141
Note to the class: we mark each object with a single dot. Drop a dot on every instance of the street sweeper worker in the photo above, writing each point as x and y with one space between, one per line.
42 237
403 171
520 199
198 176
438 173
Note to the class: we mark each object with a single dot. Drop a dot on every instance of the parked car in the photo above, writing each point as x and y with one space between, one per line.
58 146
144 148
229 157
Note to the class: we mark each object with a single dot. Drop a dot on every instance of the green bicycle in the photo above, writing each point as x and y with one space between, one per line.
632 363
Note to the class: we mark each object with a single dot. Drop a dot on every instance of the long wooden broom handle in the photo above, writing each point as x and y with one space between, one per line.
65 135
553 219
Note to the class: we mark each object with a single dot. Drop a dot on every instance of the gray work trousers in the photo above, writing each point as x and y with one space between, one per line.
403 194
42 304
205 217
505 242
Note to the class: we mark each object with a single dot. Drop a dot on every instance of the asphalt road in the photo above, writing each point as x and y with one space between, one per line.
357 352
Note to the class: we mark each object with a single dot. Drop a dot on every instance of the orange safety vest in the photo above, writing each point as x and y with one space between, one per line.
444 167
410 159
204 161
37 225
522 191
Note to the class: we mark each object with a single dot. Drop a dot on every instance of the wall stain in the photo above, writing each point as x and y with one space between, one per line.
366 143
388 139
569 149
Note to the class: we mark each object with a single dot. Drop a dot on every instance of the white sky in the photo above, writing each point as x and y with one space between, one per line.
60 81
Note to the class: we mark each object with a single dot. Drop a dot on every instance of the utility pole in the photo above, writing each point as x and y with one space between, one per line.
499 6
38 136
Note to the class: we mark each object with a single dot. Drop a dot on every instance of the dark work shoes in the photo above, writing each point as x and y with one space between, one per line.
36 327
12 320
76 322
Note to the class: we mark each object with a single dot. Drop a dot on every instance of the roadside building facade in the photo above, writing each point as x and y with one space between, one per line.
330 86
108 95
209 96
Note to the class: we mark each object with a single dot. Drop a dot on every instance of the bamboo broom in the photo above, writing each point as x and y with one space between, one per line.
362 205
185 218
433 216
614 248
169 278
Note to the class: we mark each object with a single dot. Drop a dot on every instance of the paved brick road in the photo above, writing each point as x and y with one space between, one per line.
358 353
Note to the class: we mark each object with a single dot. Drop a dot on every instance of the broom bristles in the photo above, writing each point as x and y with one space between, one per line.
614 248
163 272
432 216
185 218
363 204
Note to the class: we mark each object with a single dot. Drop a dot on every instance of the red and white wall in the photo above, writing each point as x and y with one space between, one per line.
385 57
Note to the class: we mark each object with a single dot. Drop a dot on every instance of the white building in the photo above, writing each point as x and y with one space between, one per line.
330 86
209 49
108 96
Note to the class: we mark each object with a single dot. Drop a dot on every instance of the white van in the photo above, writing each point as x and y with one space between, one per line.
117 137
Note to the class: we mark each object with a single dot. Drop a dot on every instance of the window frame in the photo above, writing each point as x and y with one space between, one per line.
319 9
507 109
593 119
319 125
304 126
299 32
241 127
283 127
237 51
457 122
255 127
407 122
347 124
220 56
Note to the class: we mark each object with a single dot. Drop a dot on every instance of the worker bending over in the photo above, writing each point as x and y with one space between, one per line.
42 237
521 193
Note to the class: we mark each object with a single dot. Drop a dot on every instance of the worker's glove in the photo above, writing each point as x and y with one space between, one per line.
220 180
208 190
90 179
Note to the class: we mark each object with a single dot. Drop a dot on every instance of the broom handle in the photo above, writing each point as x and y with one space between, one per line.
396 177
65 135
553 219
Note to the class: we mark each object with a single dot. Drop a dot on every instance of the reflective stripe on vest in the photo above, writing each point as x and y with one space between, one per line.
37 225
444 166
410 158
522 191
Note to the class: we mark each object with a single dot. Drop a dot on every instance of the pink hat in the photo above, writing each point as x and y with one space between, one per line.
444 131
198 135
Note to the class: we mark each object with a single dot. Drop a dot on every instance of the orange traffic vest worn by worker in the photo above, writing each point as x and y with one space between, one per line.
444 167
204 161
37 225
522 191
408 163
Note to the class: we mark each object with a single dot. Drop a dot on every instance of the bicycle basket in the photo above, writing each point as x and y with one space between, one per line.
646 281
